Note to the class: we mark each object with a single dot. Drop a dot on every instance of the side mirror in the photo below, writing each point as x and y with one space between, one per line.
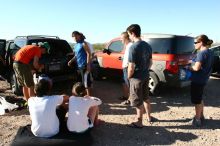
106 51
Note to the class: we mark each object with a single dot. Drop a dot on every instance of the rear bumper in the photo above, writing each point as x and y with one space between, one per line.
174 80
184 84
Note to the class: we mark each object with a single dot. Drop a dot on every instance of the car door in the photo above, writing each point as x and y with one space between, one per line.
113 60
2 56
216 65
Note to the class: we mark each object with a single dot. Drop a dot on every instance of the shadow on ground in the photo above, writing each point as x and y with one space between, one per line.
110 90
149 135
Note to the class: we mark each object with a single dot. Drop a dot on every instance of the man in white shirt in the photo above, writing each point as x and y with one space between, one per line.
127 44
83 111
43 110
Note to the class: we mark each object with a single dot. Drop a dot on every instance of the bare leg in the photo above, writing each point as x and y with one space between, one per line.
147 107
202 114
125 90
140 111
31 91
89 91
26 93
199 110
93 113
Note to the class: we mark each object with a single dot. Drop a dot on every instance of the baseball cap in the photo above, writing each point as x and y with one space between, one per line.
44 45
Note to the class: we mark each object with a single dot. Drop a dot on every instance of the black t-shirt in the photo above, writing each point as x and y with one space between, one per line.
206 59
140 54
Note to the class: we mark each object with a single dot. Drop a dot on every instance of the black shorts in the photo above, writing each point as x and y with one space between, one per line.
196 92
139 91
86 77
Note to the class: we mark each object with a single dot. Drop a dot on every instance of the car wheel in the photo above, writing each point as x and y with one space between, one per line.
96 72
16 89
153 83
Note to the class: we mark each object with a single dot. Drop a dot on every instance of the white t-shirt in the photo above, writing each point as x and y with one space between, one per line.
45 122
78 111
125 58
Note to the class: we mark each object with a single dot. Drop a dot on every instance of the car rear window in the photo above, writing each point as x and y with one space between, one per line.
160 45
58 48
183 45
175 45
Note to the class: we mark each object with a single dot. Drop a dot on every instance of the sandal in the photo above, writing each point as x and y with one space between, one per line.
126 102
153 119
134 125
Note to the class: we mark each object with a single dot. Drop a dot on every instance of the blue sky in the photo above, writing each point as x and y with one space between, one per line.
102 20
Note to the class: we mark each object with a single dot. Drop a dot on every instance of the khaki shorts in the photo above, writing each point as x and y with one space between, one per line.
139 91
23 74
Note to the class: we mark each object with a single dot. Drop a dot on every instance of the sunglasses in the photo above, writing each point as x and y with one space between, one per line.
196 42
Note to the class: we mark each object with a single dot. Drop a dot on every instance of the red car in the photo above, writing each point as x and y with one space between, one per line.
171 53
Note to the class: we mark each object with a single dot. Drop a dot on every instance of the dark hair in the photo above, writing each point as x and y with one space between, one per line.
134 28
204 39
79 89
82 37
75 33
42 87
125 35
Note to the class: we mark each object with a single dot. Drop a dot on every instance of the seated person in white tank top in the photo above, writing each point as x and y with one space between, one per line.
44 110
83 110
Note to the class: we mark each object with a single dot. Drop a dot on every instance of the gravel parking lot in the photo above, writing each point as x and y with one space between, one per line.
172 108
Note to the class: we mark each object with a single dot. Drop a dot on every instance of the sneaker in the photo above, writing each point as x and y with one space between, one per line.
196 122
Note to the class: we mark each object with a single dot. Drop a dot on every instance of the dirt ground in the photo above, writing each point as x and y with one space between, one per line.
172 108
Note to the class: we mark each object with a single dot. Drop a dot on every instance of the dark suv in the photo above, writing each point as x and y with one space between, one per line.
216 65
170 54
55 61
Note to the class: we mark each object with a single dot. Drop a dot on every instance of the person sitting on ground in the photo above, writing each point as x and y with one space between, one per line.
47 112
83 110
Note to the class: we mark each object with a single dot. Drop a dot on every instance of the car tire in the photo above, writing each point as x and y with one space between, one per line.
153 83
16 89
96 72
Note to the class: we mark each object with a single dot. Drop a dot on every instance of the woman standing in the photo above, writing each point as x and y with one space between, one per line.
201 70
83 59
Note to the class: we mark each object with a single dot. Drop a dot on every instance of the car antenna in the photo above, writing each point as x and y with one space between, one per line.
188 34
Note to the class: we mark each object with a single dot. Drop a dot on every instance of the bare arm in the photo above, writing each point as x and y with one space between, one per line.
36 63
130 69
89 56
71 61
196 67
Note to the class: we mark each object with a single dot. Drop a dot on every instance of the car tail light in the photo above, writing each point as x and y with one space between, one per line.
172 66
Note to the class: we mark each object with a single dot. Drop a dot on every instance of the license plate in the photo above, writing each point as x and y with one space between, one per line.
54 67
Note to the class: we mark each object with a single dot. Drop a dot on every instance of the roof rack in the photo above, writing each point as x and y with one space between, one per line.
38 36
